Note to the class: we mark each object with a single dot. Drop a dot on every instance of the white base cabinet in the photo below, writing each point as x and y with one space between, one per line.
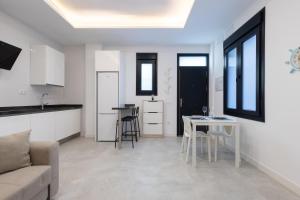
14 124
66 123
44 126
153 112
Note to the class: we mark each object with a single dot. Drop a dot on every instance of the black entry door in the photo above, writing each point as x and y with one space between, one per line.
192 93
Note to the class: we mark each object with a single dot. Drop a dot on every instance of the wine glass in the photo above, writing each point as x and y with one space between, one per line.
204 110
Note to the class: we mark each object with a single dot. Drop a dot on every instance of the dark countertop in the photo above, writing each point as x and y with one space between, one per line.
124 107
25 110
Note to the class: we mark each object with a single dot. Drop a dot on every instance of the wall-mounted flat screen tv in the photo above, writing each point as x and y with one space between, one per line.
8 55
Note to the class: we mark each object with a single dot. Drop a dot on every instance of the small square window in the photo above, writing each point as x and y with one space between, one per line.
146 74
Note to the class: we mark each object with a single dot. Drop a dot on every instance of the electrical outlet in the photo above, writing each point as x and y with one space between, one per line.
22 92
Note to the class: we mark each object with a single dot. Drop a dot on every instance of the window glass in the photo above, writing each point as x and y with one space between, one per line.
146 74
192 61
231 78
146 78
249 74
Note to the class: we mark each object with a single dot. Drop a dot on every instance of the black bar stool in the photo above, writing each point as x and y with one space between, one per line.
131 119
137 121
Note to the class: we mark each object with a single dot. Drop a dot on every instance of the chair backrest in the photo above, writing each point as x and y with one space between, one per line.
137 111
133 111
227 130
187 126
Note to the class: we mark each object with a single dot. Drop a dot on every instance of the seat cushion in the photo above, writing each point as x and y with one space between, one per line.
25 183
10 192
14 151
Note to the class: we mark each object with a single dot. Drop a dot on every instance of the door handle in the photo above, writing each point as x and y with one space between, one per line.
180 102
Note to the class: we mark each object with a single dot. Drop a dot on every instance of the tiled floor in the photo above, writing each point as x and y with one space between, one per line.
156 170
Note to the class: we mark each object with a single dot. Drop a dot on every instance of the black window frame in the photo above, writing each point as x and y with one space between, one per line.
146 58
255 26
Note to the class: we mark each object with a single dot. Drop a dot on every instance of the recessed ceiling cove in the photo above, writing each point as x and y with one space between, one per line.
123 13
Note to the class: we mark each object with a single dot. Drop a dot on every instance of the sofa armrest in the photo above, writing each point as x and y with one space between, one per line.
46 153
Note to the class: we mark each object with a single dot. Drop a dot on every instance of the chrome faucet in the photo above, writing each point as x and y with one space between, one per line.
43 100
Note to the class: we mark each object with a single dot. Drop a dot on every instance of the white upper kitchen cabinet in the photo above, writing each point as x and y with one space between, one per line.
47 66
107 61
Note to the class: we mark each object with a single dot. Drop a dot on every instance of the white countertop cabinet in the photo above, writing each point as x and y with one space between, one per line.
153 122
67 123
44 126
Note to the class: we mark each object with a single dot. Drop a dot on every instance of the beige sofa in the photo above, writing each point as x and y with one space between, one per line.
39 181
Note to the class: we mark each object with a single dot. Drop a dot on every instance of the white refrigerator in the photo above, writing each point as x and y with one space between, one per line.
107 98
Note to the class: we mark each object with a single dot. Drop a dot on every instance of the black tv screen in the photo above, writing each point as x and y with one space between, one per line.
8 55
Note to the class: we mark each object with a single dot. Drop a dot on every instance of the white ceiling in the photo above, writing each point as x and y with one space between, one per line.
207 20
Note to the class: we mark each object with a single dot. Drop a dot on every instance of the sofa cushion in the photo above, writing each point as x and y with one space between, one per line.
42 195
10 192
14 151
25 183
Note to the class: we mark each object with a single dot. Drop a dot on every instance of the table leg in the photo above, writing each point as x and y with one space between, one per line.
209 148
120 130
194 147
237 146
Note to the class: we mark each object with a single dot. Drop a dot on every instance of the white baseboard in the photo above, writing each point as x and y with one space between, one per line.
287 183
89 136
170 135
273 174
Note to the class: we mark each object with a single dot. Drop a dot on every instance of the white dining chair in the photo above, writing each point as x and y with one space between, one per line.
217 133
187 139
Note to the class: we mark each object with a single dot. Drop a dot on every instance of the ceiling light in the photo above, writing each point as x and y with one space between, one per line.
117 14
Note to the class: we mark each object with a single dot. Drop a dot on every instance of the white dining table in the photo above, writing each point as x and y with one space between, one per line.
210 121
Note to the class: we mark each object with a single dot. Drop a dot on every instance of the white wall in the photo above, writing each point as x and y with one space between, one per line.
273 146
14 81
218 64
74 90
90 90
167 60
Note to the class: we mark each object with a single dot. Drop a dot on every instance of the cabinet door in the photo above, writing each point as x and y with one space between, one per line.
60 69
38 65
108 92
153 106
43 126
107 61
106 129
153 129
67 123
14 124
153 118
55 67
